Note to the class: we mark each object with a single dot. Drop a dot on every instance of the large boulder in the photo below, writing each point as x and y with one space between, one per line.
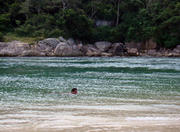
91 50
51 42
118 49
14 48
47 46
177 49
133 52
71 41
103 46
61 39
64 49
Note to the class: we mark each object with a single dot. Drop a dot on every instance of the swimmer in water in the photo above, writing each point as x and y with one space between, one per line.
74 91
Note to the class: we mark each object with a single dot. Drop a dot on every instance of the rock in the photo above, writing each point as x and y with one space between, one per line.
103 46
47 46
61 39
80 46
64 49
93 52
50 42
76 50
177 49
2 45
133 52
71 41
43 48
32 53
14 48
90 50
117 49
87 46
155 53
152 52
106 54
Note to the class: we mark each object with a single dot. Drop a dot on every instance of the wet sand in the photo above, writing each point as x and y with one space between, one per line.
77 118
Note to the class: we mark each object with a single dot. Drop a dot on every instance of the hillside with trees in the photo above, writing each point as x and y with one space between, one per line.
93 20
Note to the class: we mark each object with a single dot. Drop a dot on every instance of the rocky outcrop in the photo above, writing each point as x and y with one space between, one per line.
62 47
103 46
46 46
133 52
118 49
14 48
163 52
50 42
177 49
91 50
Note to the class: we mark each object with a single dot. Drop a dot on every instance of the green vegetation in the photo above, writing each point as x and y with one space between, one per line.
130 20
11 36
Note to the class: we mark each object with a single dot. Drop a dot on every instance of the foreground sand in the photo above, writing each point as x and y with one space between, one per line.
118 118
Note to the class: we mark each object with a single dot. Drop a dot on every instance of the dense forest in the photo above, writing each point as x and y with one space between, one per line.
119 20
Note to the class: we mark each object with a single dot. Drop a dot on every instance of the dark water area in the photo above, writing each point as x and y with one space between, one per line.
114 91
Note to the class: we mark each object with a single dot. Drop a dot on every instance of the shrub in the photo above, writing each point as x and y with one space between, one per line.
79 26
5 24
55 33
1 36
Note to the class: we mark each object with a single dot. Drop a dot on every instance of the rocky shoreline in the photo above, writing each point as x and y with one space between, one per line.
60 47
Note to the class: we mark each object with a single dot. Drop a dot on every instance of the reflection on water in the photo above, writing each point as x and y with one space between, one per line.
115 94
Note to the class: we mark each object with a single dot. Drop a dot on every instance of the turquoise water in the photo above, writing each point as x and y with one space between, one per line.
34 91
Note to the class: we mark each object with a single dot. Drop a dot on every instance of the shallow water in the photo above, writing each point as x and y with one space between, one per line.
115 94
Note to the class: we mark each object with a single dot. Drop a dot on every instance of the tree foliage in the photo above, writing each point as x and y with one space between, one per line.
131 20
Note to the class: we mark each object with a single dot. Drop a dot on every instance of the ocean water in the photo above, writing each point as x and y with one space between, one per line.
114 94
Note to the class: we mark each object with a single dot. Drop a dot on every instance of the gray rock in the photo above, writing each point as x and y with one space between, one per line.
152 52
71 41
133 52
51 42
41 47
32 53
14 48
103 46
118 49
177 49
91 50
64 49
106 54
61 39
